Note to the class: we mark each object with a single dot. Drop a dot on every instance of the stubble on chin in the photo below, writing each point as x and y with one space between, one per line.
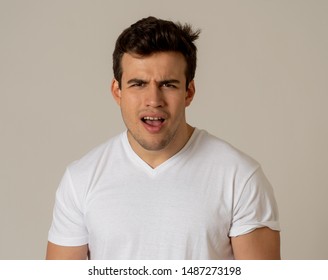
152 144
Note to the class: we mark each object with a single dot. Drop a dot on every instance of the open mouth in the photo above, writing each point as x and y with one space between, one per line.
153 121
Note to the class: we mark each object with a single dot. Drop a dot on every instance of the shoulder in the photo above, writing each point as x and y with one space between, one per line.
223 153
82 175
97 156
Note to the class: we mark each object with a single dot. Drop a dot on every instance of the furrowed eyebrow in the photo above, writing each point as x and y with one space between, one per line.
172 81
136 81
163 82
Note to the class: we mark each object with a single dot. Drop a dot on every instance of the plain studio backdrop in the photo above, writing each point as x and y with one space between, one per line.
261 82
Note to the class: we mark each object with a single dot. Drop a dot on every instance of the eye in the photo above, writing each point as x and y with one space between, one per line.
168 85
138 84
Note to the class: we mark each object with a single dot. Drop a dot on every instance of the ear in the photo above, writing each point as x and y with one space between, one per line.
190 93
116 92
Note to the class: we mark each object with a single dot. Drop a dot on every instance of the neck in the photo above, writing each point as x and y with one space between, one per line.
154 158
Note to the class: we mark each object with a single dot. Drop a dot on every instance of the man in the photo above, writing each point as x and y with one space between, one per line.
163 189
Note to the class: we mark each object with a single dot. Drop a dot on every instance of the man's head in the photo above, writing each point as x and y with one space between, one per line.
151 35
154 68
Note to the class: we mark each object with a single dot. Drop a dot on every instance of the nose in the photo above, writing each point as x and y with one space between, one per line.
154 96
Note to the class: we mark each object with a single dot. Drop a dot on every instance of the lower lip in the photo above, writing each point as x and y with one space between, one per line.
153 129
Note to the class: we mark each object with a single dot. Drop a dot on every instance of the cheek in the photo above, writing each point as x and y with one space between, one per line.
129 109
127 103
178 104
130 99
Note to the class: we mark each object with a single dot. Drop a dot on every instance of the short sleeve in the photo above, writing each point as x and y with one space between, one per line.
256 206
68 227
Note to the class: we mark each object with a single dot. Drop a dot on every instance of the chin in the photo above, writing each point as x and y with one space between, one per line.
153 145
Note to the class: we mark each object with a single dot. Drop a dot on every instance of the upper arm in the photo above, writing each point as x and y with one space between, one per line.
260 244
57 252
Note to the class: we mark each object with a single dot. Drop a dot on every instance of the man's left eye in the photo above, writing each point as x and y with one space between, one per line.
168 85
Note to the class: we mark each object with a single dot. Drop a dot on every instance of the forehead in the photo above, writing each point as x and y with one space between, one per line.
159 64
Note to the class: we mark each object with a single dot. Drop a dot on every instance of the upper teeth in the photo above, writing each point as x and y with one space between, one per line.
152 119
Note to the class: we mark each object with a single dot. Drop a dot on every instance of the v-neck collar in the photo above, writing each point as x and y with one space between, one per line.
163 166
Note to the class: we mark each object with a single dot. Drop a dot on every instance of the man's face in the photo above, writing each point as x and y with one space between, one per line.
153 98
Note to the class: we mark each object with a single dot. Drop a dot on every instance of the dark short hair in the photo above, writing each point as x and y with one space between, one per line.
150 35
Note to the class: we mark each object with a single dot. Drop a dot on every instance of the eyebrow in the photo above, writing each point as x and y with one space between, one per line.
169 81
136 81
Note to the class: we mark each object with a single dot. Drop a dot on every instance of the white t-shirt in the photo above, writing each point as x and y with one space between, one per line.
186 208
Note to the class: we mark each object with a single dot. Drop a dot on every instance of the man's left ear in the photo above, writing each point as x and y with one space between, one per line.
190 93
116 91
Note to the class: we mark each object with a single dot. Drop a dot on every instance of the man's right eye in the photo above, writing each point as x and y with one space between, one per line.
138 85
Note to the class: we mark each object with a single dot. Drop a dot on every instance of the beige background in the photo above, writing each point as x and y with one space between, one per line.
262 85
